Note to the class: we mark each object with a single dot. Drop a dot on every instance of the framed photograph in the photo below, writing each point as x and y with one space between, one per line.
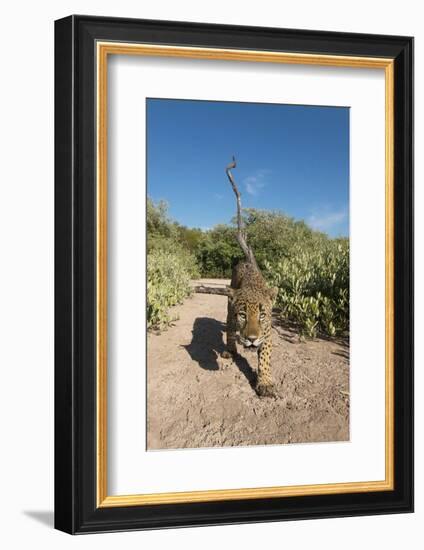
234 274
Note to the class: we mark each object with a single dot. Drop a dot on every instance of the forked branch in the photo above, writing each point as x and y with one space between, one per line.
241 235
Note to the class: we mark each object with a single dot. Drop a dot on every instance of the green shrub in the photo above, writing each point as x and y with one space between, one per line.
218 251
310 269
272 235
275 236
168 282
170 264
314 288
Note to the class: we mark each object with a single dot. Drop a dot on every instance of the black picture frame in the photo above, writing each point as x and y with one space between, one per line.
76 510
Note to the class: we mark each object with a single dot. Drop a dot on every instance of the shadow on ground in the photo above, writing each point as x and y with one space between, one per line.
207 346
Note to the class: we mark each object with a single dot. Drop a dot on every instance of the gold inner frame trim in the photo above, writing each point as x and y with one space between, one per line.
104 49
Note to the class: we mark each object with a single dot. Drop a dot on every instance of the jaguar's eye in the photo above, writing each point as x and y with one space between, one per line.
242 315
262 316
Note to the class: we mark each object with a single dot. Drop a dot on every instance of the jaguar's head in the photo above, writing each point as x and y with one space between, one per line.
253 315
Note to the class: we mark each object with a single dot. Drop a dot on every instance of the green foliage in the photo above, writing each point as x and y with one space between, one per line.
170 266
218 251
168 283
314 288
274 236
310 270
161 231
190 238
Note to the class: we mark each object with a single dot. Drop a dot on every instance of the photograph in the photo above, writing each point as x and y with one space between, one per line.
233 268
247 230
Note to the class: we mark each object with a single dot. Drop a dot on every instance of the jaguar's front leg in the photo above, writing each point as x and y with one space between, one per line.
264 382
231 332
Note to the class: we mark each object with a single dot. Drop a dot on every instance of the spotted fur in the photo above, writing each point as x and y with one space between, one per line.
249 315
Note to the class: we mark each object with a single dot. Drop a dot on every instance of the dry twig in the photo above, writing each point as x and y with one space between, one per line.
241 235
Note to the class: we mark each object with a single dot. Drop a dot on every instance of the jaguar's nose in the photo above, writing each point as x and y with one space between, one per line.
252 339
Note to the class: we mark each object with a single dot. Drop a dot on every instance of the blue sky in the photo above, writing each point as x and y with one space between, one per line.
291 158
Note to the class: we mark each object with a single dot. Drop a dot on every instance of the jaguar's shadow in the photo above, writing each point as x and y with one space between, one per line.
207 345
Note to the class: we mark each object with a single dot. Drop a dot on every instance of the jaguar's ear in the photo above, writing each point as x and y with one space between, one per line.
273 292
229 292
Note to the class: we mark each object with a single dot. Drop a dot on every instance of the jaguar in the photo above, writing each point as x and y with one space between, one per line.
249 309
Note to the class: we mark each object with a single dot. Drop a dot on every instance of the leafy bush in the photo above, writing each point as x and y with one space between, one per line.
272 235
314 288
275 236
168 283
170 266
310 270
161 231
218 251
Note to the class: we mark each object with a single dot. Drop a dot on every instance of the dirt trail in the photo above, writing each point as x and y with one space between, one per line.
198 399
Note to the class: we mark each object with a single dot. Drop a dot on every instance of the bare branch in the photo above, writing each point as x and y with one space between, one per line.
241 235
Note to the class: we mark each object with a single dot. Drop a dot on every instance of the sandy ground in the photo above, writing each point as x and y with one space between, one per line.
198 399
